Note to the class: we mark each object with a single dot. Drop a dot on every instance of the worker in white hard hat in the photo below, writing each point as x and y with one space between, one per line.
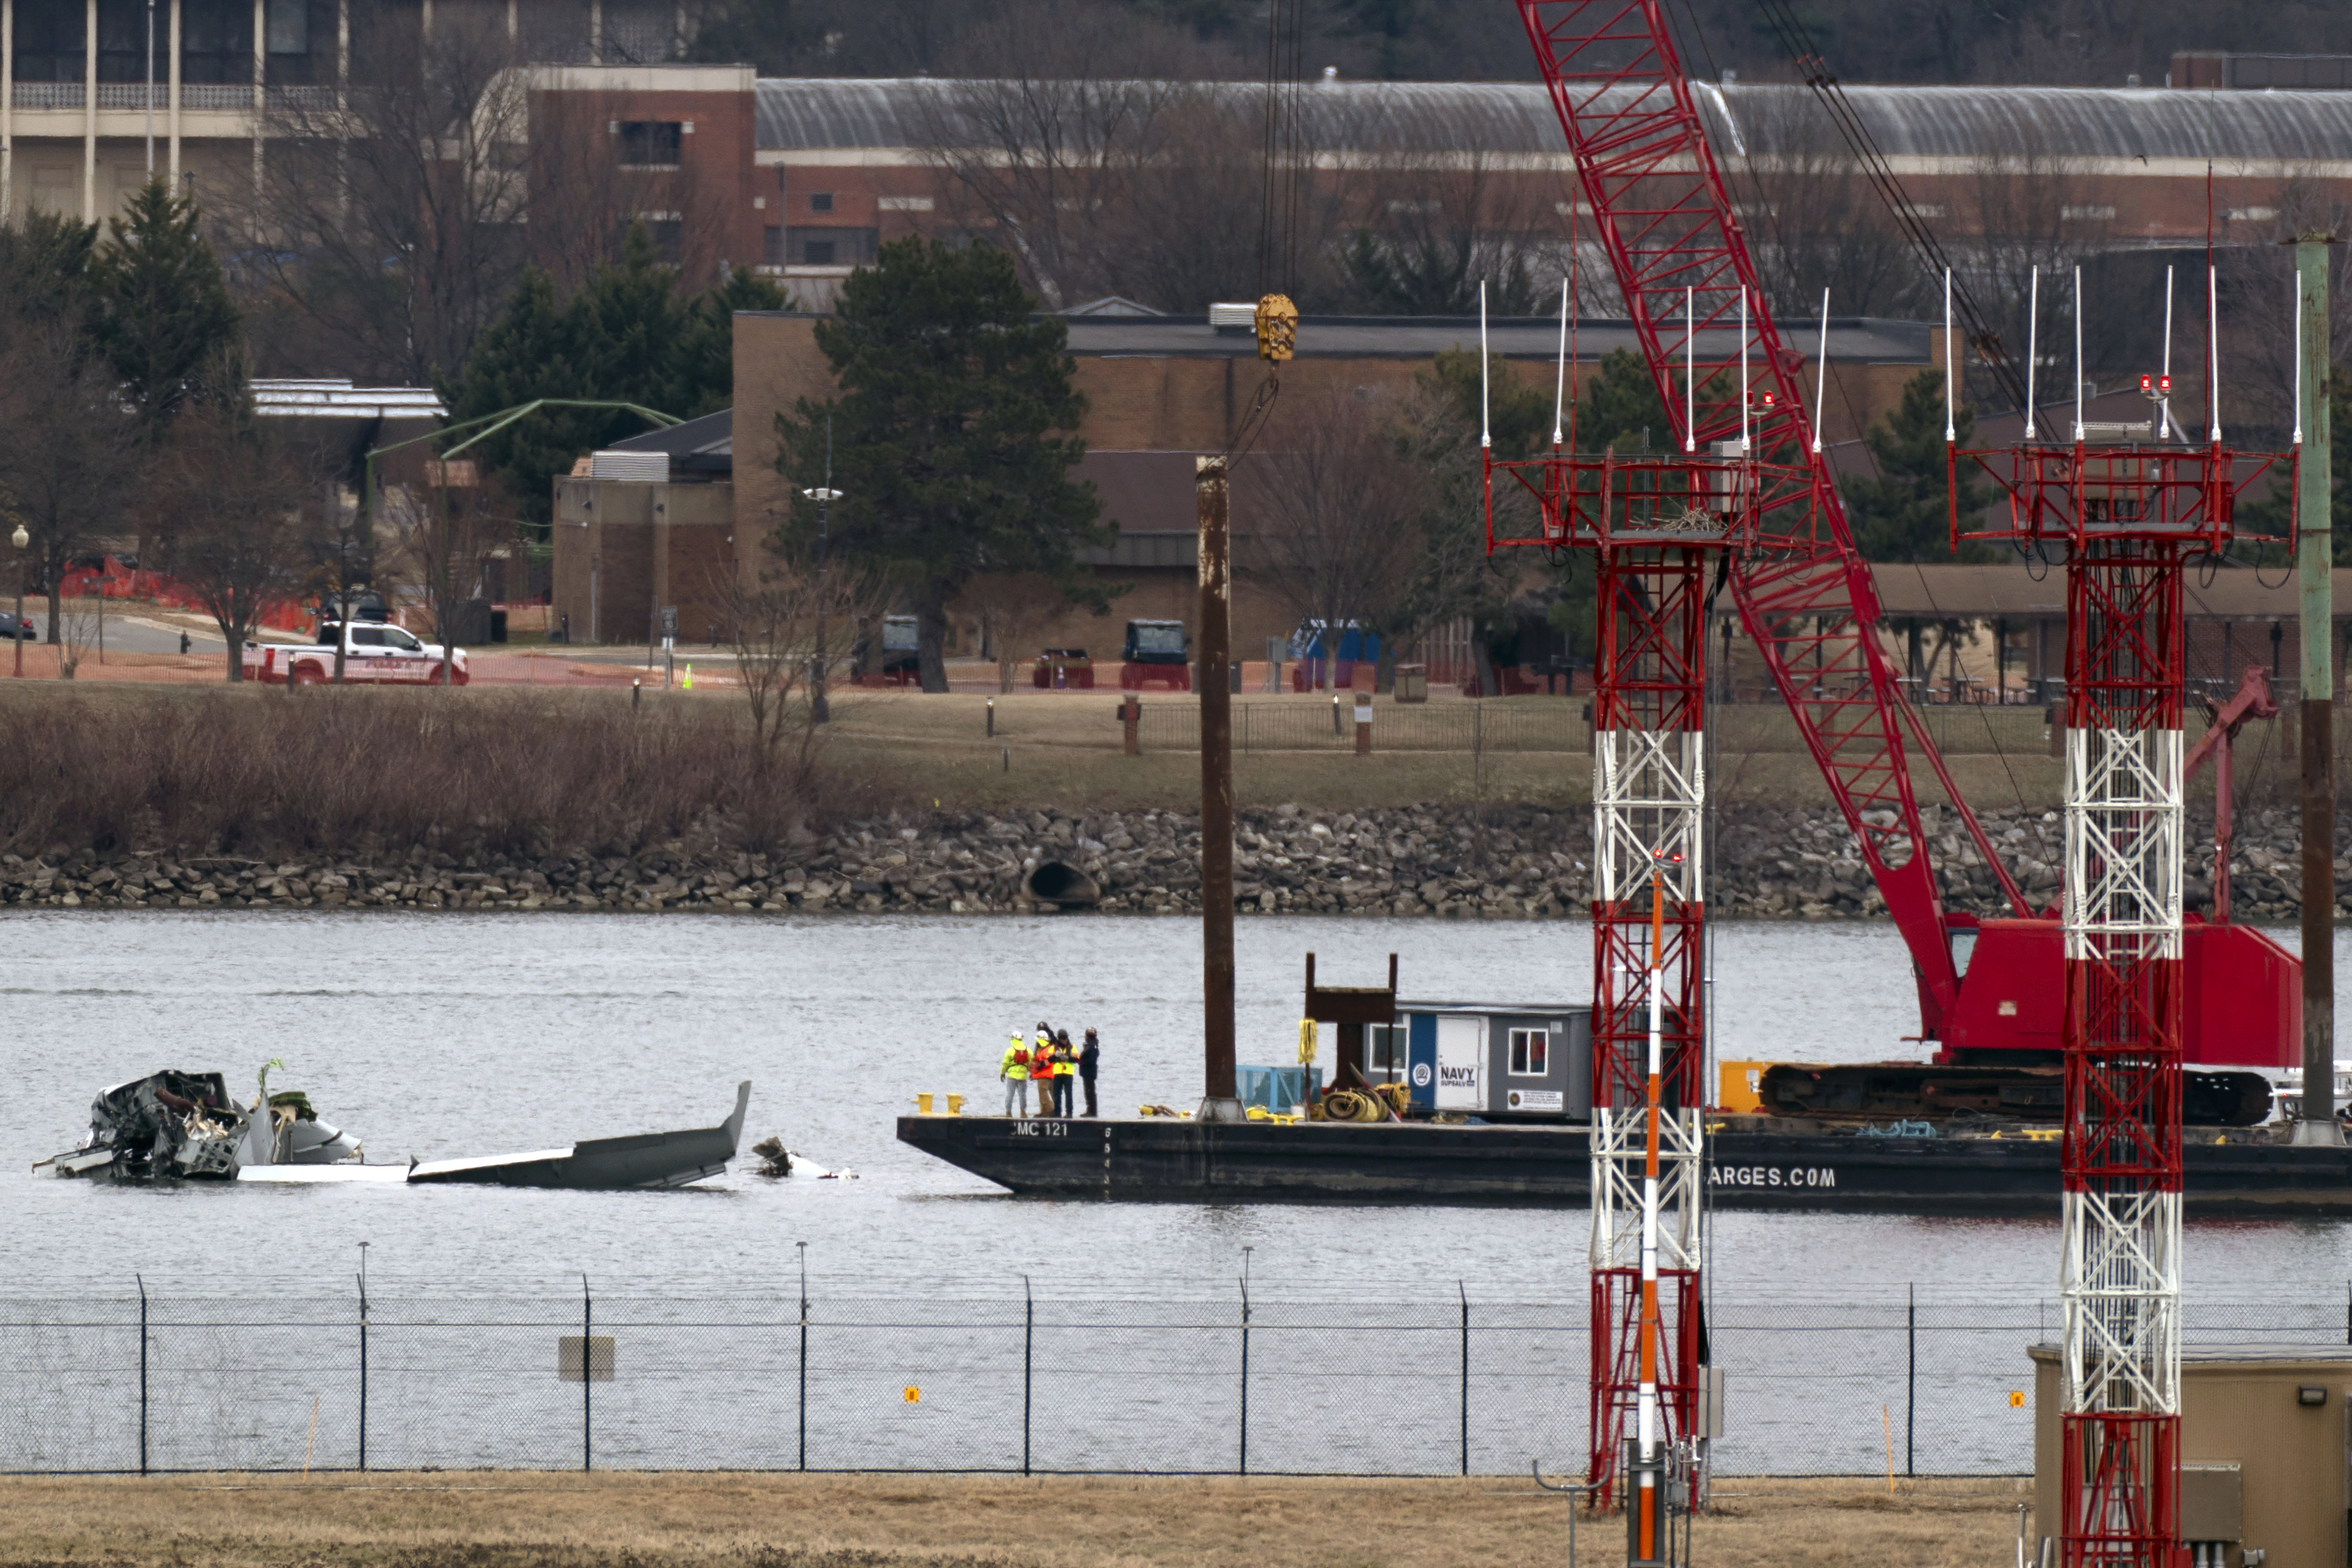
1015 1070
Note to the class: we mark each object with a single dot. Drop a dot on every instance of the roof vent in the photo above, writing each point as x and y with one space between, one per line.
1231 317
634 467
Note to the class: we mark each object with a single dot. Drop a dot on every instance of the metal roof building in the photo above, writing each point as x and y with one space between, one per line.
1922 129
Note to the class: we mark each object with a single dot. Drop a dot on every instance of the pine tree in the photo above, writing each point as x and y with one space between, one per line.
947 433
627 336
1904 514
161 307
44 268
706 352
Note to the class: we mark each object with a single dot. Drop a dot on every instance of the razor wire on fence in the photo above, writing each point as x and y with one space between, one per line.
1243 1383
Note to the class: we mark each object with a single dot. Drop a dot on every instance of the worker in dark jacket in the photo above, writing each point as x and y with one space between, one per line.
1066 1068
1087 1055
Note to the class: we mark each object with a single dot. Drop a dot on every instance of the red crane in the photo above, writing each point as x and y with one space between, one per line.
1803 594
1805 598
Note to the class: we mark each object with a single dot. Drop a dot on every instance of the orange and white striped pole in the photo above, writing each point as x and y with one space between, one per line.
1646 1397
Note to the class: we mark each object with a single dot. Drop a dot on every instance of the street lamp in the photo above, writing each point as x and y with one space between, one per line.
825 495
16 633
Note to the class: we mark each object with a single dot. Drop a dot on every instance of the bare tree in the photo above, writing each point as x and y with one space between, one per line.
396 207
789 634
82 618
1014 606
72 458
2035 216
1421 232
588 185
1044 150
1328 507
1813 221
1448 574
2258 298
228 503
443 528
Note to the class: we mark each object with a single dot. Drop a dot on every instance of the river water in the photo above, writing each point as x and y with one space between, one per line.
452 1034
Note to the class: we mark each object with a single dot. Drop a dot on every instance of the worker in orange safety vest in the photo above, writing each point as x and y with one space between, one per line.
1041 1068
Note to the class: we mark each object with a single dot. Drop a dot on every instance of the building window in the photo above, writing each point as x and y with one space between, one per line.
1384 1050
48 41
1531 1052
651 144
215 42
821 201
830 246
771 246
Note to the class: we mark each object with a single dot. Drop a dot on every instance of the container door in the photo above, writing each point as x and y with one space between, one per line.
1421 1059
1460 1063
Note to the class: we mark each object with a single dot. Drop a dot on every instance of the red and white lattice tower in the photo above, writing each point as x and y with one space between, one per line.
1658 529
2126 517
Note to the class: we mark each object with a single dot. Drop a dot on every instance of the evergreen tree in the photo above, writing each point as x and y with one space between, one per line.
1904 514
946 431
1619 409
627 336
537 348
161 307
707 349
44 269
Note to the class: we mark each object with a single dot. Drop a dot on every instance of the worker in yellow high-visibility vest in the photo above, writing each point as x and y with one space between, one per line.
1066 1071
1015 1070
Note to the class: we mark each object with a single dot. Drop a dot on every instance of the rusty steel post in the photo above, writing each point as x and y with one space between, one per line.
1130 719
1220 1102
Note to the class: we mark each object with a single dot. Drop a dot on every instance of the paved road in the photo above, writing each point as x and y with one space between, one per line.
138 634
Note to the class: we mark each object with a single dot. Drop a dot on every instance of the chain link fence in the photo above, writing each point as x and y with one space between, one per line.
1249 1383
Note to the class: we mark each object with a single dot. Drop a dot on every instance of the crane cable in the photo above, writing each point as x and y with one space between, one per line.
1798 41
1274 323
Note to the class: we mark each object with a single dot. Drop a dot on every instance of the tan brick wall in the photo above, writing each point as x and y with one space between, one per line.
616 557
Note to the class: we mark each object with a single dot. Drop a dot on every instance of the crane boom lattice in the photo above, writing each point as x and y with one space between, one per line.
1803 594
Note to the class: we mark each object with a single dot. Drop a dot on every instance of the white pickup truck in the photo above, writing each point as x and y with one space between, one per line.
374 652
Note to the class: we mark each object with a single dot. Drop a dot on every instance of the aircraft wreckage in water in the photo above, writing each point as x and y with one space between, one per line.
174 1126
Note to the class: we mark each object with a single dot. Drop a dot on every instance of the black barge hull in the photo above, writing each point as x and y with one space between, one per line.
1171 1160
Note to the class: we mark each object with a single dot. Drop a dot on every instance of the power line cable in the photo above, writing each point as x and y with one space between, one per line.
1798 41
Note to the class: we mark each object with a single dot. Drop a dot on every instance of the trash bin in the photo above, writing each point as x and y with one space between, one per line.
1411 683
498 625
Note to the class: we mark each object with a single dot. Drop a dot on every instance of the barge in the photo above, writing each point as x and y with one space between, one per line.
1753 1163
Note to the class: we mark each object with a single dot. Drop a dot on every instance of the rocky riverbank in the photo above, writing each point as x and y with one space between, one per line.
1505 863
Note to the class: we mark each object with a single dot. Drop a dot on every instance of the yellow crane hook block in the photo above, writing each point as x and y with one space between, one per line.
1277 328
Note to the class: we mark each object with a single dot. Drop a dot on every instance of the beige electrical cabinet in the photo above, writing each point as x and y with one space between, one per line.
2264 1443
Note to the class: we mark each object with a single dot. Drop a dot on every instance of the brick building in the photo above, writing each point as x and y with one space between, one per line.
1160 389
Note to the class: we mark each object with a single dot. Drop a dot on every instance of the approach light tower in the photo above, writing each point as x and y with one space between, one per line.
1658 528
2127 510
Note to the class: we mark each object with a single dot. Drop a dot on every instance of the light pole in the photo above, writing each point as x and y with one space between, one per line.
16 633
147 95
825 495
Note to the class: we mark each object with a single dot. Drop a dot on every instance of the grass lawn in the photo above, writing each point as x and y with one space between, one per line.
493 1519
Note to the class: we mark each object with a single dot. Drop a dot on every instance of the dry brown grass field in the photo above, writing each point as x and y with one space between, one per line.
268 746
502 1520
